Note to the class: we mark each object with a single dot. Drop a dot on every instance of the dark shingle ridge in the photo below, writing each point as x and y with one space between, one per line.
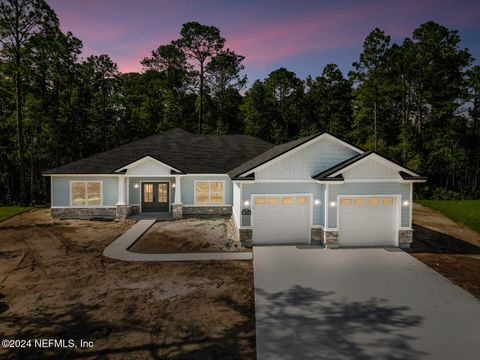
178 148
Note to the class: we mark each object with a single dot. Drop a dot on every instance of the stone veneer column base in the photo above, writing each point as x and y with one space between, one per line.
245 236
331 239
122 212
177 211
242 235
405 238
316 234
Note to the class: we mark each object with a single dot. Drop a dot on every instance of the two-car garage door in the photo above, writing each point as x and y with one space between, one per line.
367 221
362 220
281 219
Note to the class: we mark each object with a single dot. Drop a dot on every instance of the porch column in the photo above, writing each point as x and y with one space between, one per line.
122 210
177 207
178 191
121 191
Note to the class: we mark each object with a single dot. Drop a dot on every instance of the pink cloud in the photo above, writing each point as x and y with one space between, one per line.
272 42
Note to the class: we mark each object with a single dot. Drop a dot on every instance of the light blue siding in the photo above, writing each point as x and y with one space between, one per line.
134 193
317 190
61 189
188 188
381 188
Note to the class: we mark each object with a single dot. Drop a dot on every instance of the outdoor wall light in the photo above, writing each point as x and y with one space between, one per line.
135 186
173 186
333 204
317 202
406 203
246 203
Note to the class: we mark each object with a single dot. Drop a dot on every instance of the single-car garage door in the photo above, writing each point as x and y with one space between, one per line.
282 219
367 221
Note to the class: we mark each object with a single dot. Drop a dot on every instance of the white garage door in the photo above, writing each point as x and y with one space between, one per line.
367 221
281 219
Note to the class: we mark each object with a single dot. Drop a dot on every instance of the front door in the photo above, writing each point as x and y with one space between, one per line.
155 197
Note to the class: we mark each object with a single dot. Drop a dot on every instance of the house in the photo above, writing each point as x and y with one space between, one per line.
314 188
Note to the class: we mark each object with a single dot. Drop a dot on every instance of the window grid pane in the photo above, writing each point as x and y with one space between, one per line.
78 193
209 193
148 193
162 193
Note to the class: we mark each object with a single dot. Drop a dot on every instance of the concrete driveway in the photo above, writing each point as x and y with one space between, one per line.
359 304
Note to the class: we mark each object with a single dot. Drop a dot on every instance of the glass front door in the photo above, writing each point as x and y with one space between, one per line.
155 197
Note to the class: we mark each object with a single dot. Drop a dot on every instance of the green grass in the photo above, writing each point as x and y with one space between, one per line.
466 212
9 211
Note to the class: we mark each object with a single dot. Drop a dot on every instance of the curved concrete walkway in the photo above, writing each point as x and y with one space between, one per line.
118 249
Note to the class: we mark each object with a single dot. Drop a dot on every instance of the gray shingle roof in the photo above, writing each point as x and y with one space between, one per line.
182 150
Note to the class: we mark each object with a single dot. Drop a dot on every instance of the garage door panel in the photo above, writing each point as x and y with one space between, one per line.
367 221
281 219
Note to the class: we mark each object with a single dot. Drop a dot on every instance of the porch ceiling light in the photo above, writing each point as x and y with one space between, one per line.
333 204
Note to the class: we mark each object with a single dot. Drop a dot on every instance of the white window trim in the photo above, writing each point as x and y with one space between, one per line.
209 192
86 200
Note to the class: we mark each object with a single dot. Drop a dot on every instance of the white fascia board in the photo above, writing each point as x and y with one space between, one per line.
323 136
379 159
80 175
143 159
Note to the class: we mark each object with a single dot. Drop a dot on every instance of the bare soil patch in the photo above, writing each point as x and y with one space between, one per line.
56 284
187 235
436 221
451 251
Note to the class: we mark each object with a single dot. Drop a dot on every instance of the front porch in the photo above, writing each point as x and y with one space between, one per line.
149 197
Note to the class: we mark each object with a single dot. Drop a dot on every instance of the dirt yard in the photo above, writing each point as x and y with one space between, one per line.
187 235
450 249
55 283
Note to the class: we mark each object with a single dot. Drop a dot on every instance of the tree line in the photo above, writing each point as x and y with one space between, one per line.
416 102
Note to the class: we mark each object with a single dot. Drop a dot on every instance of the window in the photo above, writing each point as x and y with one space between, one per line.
287 200
273 201
301 200
359 201
86 193
346 201
387 201
210 192
147 193
373 201
259 201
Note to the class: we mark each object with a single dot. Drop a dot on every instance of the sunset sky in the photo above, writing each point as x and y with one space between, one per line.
300 35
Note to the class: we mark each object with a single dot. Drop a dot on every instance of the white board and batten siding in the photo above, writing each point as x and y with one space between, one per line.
372 169
148 167
310 160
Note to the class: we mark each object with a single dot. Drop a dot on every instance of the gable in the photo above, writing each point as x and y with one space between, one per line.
147 166
303 163
371 169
